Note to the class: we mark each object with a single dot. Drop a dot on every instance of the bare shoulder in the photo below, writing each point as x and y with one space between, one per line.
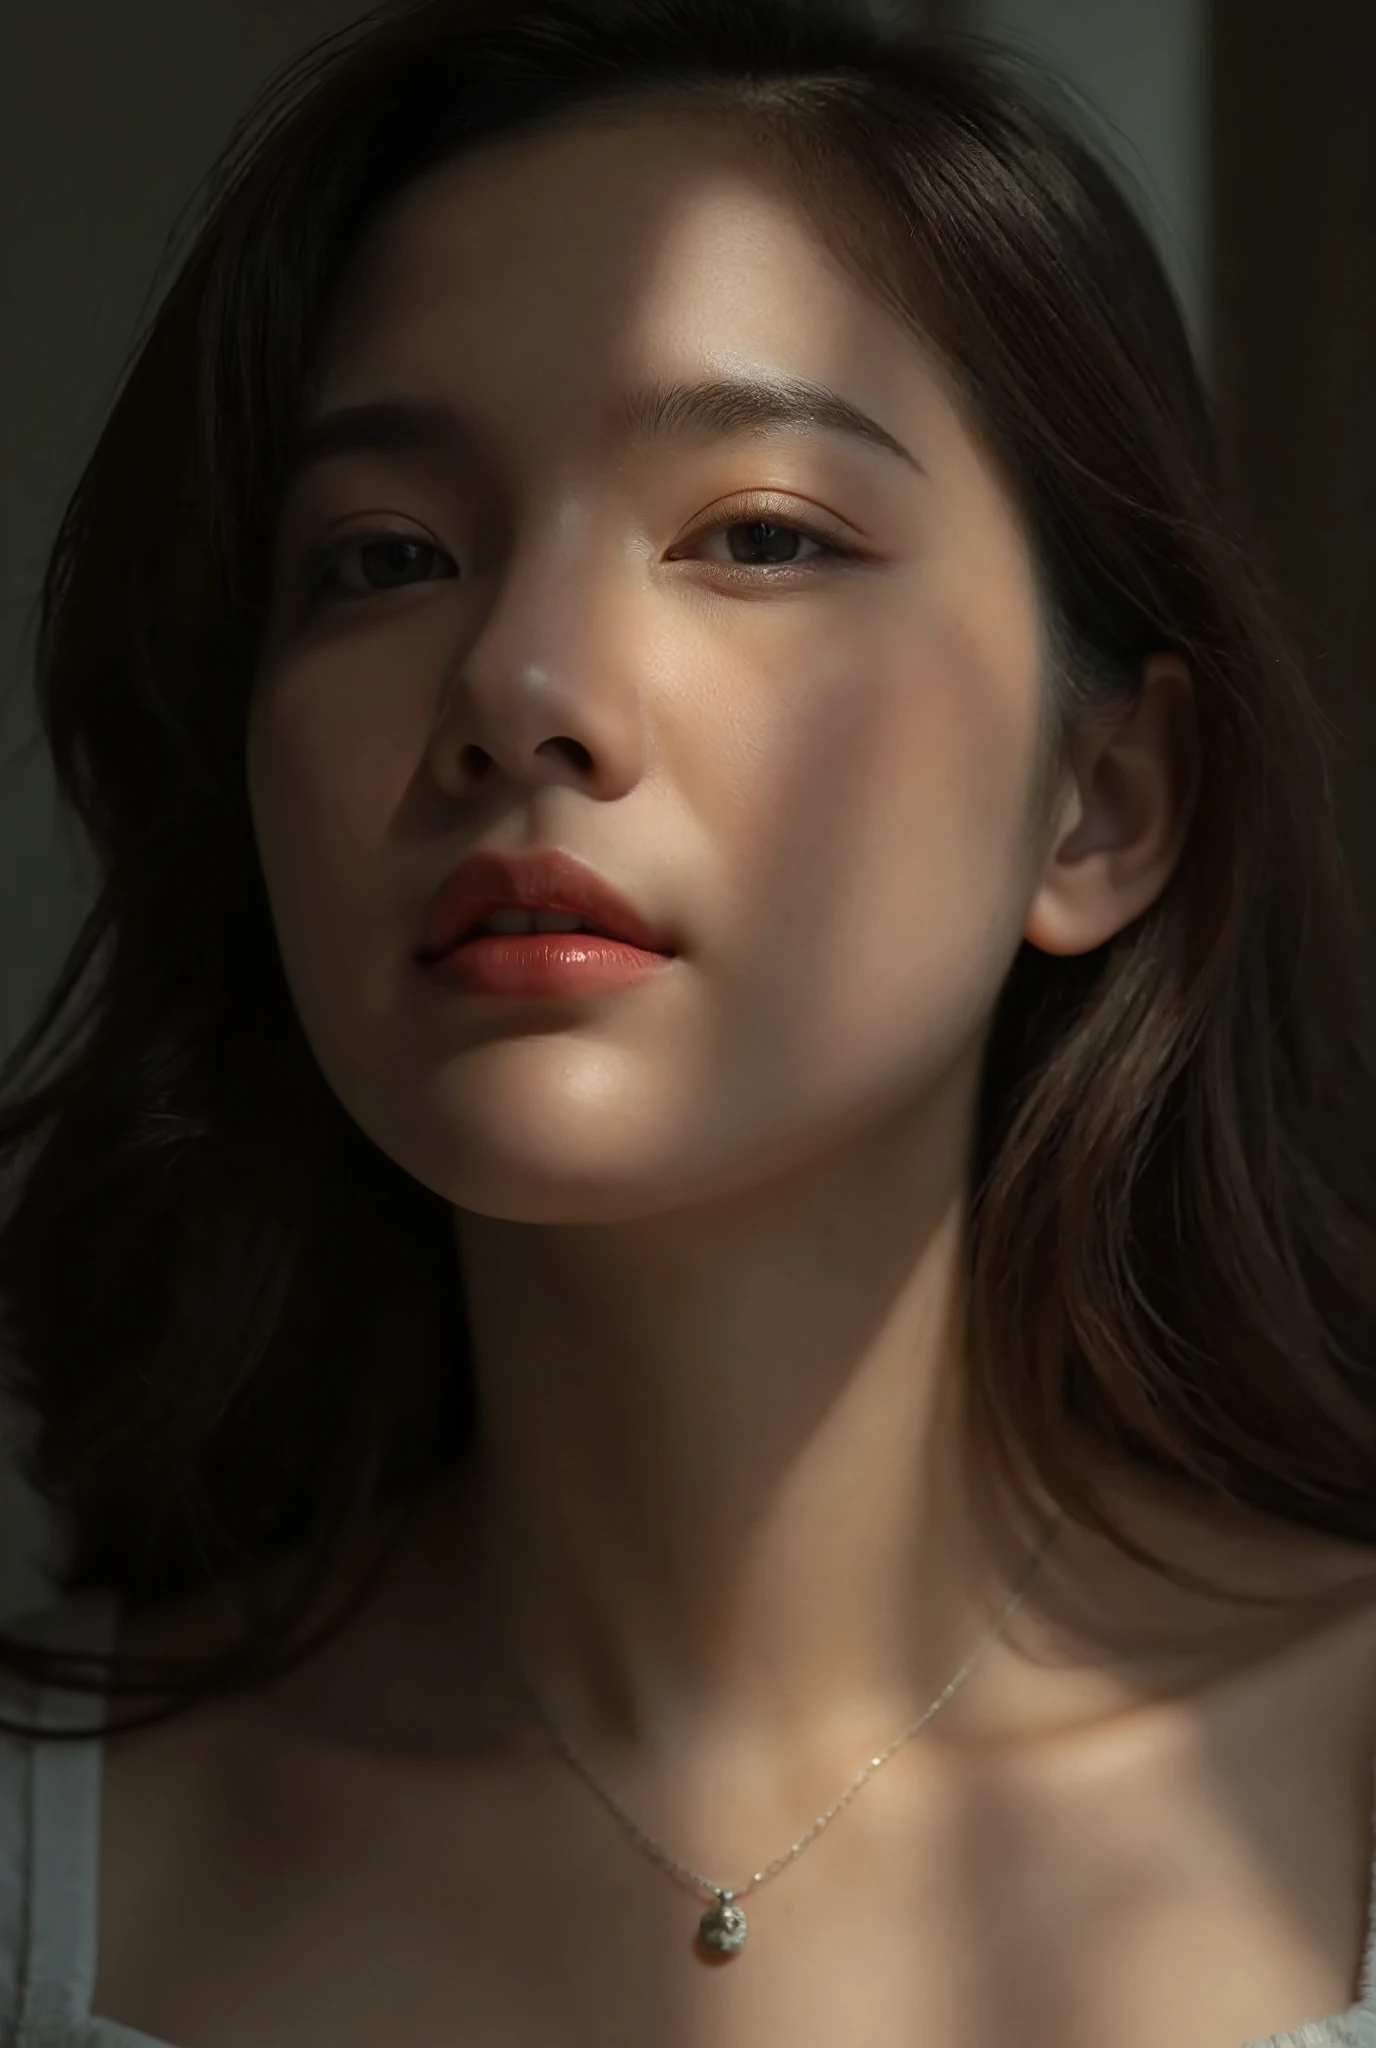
222 1826
401 1647
1279 1626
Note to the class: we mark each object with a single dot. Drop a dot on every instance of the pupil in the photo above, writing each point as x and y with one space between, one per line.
780 548
398 555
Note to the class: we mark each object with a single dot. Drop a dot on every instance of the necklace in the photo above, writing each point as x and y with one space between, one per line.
722 1929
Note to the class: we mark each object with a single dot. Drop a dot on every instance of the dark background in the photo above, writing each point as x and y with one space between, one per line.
1292 112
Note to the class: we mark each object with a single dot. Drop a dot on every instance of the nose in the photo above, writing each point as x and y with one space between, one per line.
551 687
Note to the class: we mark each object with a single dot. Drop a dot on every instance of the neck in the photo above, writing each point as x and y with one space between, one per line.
720 1473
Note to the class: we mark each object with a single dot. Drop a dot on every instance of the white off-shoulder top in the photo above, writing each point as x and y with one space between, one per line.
50 1859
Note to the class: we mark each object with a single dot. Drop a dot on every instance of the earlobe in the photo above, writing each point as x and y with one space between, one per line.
1124 813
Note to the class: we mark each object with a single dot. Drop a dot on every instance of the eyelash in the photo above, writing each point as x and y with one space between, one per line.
321 566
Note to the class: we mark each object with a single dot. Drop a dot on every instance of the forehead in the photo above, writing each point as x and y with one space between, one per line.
564 265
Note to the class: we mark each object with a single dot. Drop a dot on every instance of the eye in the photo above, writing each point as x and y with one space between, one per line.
389 561
766 543
761 546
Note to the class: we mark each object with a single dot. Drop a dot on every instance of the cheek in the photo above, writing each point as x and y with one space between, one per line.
880 847
328 776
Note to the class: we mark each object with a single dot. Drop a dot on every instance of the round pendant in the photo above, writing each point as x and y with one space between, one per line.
723 1927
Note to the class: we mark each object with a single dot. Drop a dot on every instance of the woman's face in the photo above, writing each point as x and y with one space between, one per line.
779 683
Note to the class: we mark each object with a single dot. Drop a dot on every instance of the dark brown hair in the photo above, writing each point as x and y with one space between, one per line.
238 1324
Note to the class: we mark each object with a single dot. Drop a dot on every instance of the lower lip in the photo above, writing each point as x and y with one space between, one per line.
543 964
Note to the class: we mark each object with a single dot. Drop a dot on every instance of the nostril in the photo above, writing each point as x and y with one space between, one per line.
575 749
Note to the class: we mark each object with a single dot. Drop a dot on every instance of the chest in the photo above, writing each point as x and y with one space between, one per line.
271 1901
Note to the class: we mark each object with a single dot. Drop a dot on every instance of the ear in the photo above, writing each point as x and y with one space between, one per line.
1121 816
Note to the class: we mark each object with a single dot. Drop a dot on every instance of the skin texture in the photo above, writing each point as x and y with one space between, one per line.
711 1226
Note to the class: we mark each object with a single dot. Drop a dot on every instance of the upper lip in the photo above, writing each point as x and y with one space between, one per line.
545 879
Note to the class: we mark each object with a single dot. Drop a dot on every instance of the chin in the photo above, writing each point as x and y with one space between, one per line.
567 1164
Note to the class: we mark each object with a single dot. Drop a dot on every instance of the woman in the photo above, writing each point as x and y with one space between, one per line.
704 1170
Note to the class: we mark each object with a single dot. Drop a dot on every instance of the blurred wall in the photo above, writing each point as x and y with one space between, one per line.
114 111
1143 71
1293 195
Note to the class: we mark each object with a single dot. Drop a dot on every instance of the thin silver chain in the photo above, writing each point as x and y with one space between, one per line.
680 1871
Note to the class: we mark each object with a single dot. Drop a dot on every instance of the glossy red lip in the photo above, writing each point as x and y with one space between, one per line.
545 879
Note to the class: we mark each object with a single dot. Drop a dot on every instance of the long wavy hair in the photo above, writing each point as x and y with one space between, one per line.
238 1326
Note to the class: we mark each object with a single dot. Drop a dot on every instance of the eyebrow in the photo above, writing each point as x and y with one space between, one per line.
721 406
655 414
